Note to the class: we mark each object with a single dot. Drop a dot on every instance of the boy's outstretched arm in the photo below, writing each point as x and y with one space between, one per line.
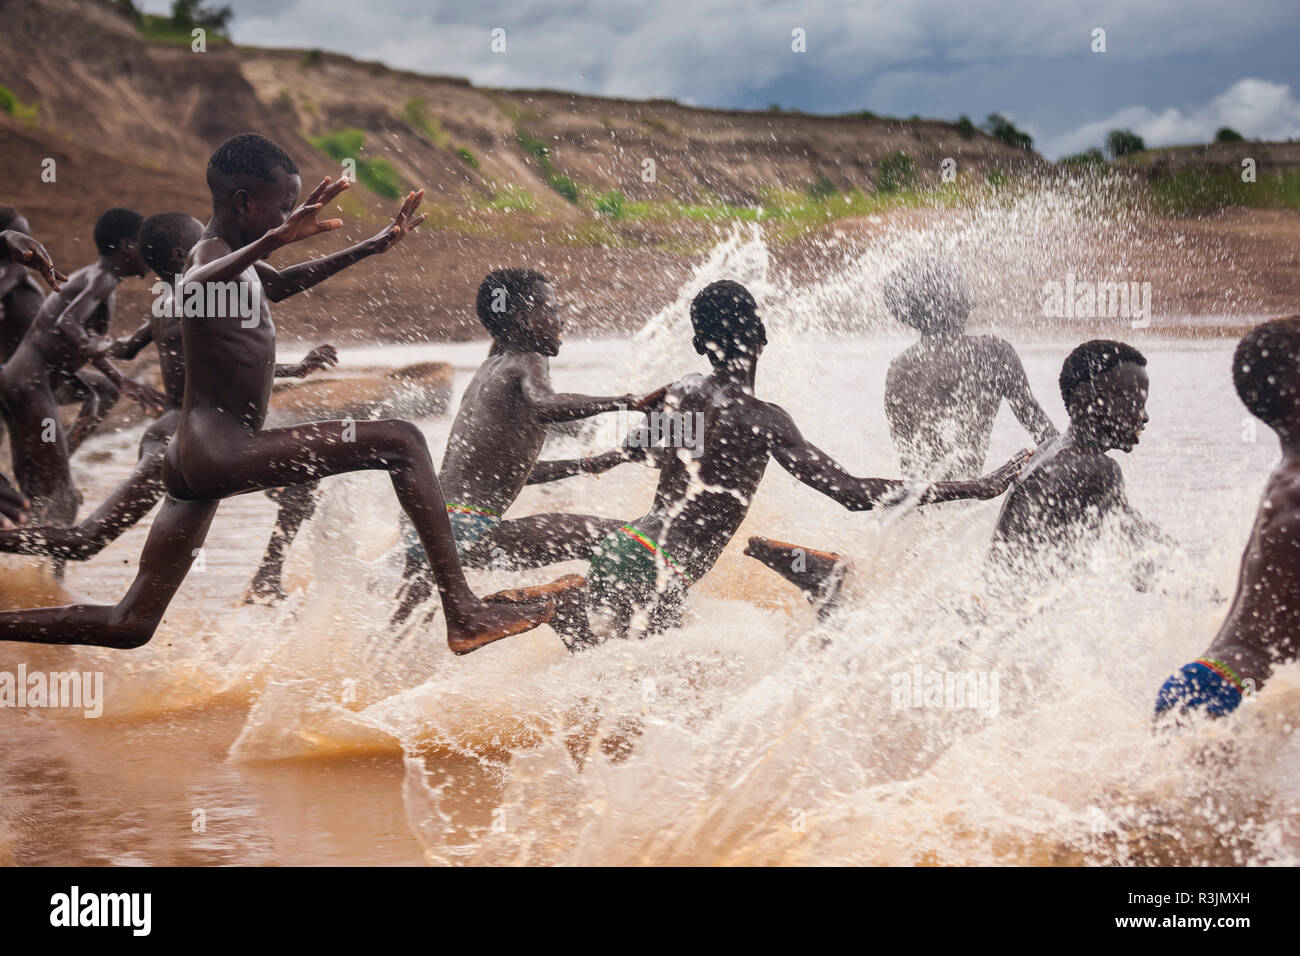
280 284
130 346
544 471
553 406
321 357
71 322
819 471
1015 385
301 224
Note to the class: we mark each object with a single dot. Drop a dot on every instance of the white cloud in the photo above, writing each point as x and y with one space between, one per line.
1257 109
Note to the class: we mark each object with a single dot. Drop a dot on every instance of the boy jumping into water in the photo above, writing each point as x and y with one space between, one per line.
943 393
1262 629
165 241
221 449
499 432
648 564
1060 501
67 332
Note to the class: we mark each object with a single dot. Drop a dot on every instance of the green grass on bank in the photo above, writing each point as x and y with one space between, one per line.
377 175
13 106
1192 192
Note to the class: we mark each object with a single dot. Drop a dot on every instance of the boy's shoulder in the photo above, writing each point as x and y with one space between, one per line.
1283 490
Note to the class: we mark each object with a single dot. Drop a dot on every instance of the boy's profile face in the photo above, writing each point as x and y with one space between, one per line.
264 206
130 262
1113 406
539 327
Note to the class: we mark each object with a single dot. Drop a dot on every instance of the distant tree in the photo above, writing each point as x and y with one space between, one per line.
188 14
1001 128
965 128
1123 142
1090 157
1227 134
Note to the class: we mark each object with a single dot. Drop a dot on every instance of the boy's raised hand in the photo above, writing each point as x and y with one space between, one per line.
996 482
402 223
22 248
302 222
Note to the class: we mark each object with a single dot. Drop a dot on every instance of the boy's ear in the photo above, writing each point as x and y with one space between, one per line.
700 347
240 201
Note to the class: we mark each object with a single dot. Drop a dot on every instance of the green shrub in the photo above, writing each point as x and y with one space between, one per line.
377 175
1091 157
965 128
1227 134
822 189
1002 129
1124 142
9 103
611 204
467 157
897 172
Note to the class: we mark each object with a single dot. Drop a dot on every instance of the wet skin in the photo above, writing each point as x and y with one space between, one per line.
699 503
1072 486
1262 629
135 497
66 333
21 296
495 442
220 448
942 396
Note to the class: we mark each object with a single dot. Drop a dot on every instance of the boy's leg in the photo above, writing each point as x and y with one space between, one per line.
40 467
297 504
220 462
533 541
97 396
129 502
818 574
174 542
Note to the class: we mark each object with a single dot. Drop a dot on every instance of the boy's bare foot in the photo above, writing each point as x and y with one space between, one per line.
569 594
818 574
487 624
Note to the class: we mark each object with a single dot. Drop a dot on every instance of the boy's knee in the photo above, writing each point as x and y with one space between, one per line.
407 436
128 630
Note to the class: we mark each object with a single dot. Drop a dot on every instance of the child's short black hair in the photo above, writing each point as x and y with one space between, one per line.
114 226
1264 368
503 294
164 232
725 318
929 294
251 154
8 216
1092 359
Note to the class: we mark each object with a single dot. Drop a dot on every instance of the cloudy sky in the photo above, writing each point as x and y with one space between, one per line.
1173 71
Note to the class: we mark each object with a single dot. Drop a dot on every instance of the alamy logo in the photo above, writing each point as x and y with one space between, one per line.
82 690
1095 300
75 908
209 300
950 690
668 429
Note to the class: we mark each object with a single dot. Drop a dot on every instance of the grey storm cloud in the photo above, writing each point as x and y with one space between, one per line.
1171 66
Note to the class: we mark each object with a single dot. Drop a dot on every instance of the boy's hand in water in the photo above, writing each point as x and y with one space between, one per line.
641 403
402 223
321 357
302 222
23 249
996 482
150 399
